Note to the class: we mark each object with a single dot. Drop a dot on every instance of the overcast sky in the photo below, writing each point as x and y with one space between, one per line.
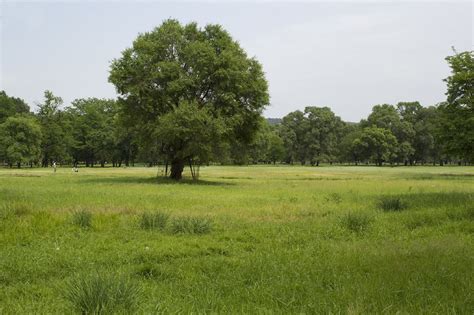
347 55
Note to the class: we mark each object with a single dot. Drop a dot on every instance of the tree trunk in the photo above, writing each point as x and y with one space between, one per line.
177 167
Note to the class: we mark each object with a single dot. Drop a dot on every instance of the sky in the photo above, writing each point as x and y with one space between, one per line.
348 55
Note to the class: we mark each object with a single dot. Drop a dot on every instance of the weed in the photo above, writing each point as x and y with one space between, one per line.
99 294
82 218
154 220
191 225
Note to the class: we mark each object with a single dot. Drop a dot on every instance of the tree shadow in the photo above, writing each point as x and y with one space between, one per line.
151 180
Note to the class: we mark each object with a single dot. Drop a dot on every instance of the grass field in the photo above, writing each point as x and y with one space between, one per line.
241 240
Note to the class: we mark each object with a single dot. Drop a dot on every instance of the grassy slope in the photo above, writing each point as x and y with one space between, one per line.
279 241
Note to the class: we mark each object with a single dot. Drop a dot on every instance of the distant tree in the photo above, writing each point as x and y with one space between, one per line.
268 146
377 144
258 150
346 149
125 141
323 135
276 148
293 131
20 141
56 136
200 69
94 130
11 106
387 117
424 121
457 114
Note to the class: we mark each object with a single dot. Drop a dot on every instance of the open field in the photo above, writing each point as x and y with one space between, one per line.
282 239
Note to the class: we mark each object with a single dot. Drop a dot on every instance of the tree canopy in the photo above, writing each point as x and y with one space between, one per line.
457 120
183 65
20 140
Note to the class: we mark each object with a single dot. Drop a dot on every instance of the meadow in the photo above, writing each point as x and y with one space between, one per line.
257 239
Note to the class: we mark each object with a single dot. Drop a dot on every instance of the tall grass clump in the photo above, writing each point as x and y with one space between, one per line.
391 203
99 294
82 218
191 225
356 222
14 209
461 214
153 220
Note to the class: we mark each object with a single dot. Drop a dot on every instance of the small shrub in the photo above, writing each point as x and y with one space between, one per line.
191 225
82 218
391 204
356 221
153 220
98 294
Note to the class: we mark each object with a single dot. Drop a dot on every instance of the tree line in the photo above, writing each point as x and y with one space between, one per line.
189 96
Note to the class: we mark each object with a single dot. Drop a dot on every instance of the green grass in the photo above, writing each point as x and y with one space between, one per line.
99 294
153 220
256 239
82 218
191 225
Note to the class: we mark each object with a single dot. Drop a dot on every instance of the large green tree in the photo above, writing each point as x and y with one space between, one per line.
205 68
20 141
457 114
11 106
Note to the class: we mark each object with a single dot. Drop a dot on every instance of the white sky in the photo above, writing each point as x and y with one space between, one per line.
348 55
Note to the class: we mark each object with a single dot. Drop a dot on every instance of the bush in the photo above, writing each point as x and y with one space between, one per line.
391 204
153 220
356 221
82 218
191 225
98 294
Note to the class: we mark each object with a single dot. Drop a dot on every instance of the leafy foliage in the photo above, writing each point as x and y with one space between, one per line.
20 141
199 69
457 119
